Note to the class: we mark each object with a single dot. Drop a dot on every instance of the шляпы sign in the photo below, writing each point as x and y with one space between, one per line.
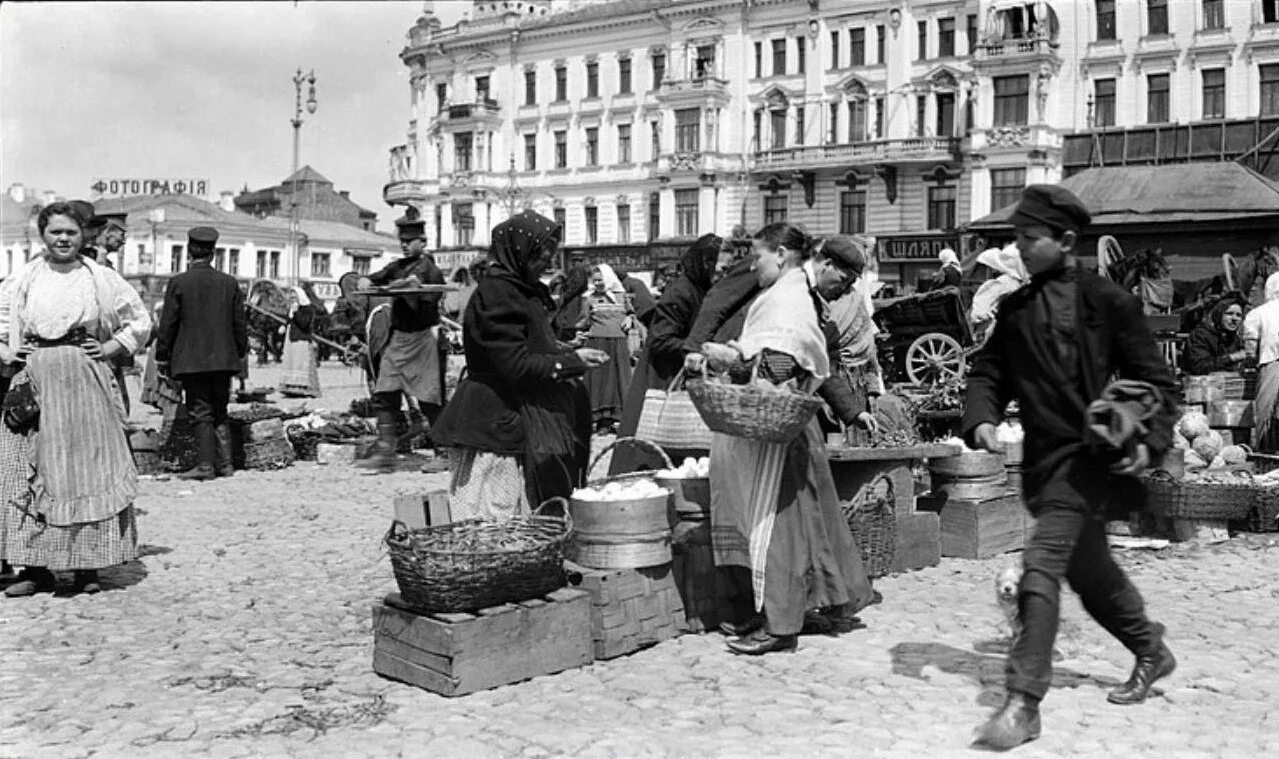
198 187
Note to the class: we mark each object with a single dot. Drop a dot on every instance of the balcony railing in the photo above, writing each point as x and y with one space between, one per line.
403 163
870 151
485 107
1017 46
695 84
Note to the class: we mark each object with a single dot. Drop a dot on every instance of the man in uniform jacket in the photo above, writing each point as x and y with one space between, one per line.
1056 343
408 360
203 339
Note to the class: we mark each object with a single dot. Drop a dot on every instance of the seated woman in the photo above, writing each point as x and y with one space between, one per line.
1216 345
774 507
520 420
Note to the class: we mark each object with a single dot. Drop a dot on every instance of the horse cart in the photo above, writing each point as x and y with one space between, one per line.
926 338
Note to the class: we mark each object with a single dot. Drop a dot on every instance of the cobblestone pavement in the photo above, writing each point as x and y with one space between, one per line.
244 631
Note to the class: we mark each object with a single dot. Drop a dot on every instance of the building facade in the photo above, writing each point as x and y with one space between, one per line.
640 124
314 196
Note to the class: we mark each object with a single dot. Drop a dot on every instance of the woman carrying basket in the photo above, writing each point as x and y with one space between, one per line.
774 507
520 419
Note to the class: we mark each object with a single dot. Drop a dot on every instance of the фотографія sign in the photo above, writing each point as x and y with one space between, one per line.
126 186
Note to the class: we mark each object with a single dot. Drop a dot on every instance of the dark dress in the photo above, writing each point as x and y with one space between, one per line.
520 396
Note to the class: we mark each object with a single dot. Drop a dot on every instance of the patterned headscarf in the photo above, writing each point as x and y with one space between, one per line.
517 240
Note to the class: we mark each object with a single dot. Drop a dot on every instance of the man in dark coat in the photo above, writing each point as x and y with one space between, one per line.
641 297
1055 345
409 360
202 340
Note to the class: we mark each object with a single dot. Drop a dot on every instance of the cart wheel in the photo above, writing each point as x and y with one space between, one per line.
934 357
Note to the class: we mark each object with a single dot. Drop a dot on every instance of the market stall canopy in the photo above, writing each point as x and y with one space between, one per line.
1119 196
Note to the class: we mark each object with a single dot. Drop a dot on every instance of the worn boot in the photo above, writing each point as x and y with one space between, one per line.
382 459
222 459
1148 669
206 447
1016 722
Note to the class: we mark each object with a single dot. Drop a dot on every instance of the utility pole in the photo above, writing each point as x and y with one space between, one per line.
311 103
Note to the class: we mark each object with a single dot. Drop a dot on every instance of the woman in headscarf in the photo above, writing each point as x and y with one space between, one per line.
664 350
1011 275
572 316
1261 334
610 322
951 274
519 421
301 378
67 477
1216 345
774 507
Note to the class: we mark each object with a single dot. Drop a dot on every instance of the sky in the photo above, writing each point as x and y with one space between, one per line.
203 90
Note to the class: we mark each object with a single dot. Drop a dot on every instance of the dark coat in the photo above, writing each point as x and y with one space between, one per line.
724 309
1208 349
673 317
204 327
417 313
1017 362
300 324
517 375
641 298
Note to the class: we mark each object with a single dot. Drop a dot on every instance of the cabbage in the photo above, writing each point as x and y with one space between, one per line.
1234 454
1208 445
1194 461
1193 424
1217 463
1179 440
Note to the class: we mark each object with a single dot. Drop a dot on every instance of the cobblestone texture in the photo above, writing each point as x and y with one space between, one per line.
244 632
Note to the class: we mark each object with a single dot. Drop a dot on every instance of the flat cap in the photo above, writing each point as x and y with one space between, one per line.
852 251
1052 206
410 229
202 235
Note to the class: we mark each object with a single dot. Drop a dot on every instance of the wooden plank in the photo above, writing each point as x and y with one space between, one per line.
918 542
978 529
396 668
526 643
421 632
410 510
430 659
438 510
914 452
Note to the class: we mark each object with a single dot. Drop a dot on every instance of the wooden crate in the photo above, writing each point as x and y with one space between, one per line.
457 654
709 592
978 529
630 608
420 510
918 542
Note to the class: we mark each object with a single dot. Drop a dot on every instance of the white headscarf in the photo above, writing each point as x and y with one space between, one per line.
948 258
1006 261
612 285
300 294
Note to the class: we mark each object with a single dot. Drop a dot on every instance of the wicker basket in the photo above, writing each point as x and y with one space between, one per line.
873 520
275 453
1198 500
475 563
304 441
1264 516
754 411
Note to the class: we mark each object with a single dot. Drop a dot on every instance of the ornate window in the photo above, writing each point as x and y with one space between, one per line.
688 125
857 46
623 143
592 224
1269 75
561 149
779 57
623 223
775 208
1214 14
1104 105
941 207
1214 93
1012 100
1105 19
530 86
592 146
945 37
852 211
592 79
624 76
1006 186
1157 98
561 83
530 152
686 212
1156 16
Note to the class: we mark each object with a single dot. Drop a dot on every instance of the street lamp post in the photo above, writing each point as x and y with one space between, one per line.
298 80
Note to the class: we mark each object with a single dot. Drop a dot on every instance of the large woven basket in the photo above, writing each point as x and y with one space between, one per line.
476 563
755 411
1177 499
1264 516
873 520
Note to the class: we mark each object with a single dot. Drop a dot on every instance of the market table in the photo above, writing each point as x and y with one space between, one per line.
865 473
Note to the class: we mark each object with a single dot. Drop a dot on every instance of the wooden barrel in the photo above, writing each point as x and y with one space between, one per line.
969 476
626 534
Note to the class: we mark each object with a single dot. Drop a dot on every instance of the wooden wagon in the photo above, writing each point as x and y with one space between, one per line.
927 337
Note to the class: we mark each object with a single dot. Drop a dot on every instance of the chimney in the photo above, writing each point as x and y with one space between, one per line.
227 201
18 192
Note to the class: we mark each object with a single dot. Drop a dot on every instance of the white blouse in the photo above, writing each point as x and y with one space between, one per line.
58 302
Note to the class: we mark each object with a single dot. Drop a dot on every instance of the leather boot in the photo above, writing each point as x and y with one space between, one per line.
1147 670
1016 722
762 642
222 461
382 459
742 629
206 447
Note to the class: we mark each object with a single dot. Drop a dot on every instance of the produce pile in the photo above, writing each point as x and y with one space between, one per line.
307 432
690 468
1205 448
255 412
944 396
617 491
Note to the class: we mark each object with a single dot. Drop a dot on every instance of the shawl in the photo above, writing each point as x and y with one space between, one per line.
784 319
514 244
698 262
612 285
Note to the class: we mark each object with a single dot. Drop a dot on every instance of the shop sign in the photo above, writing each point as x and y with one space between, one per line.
910 248
451 260
128 186
327 290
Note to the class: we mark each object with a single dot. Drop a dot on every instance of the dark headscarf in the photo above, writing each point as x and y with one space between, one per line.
698 262
516 240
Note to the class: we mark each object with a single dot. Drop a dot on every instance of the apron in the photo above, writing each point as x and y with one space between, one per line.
410 363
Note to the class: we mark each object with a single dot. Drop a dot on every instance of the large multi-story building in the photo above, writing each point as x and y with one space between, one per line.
639 124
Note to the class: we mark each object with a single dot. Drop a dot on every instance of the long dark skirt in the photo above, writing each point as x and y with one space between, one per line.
607 385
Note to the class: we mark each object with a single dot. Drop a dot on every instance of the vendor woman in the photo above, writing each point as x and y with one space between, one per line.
779 498
1216 345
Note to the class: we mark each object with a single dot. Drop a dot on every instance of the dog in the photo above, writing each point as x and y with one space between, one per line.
1007 586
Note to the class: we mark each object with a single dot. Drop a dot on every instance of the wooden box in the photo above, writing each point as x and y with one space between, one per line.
918 542
978 529
710 593
630 608
420 510
457 654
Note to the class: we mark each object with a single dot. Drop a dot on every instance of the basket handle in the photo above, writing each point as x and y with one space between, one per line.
396 534
563 502
654 446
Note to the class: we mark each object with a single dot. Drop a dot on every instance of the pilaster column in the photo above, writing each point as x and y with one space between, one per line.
666 203
447 237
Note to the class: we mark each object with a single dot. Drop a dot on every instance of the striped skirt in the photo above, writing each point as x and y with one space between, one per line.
68 487
301 375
